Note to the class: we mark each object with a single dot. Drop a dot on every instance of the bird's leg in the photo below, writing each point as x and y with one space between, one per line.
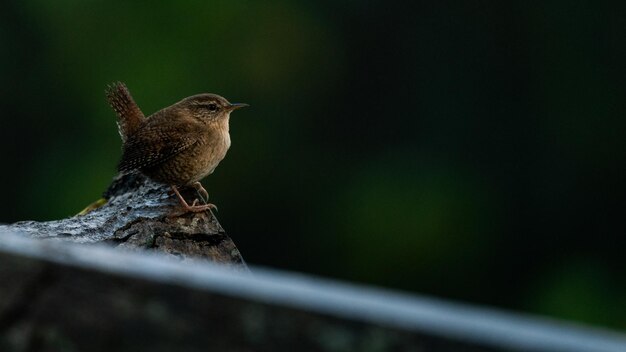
201 191
193 207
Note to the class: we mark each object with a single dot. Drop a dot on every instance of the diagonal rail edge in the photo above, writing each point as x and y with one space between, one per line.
436 317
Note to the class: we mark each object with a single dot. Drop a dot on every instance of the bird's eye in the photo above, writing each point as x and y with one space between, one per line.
212 107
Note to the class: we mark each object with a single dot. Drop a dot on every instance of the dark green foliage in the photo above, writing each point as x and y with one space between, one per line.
473 150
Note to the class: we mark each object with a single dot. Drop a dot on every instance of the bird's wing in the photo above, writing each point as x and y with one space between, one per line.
152 145
129 115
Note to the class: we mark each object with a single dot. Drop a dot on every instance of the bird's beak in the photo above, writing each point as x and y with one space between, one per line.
235 106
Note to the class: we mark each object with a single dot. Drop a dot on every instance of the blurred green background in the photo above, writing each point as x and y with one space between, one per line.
470 150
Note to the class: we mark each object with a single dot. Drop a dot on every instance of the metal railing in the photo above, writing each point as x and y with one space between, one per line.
56 295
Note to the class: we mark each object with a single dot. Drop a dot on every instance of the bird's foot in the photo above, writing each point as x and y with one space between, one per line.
194 207
201 191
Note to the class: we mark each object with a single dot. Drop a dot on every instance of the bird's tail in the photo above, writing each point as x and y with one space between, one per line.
129 116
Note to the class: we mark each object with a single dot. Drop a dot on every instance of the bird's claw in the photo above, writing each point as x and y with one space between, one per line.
194 207
201 191
200 208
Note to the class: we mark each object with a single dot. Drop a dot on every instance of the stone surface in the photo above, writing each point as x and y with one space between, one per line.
141 214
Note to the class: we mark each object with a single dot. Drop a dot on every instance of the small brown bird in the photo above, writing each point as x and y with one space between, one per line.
178 145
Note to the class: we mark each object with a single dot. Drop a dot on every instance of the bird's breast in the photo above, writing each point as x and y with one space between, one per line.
210 153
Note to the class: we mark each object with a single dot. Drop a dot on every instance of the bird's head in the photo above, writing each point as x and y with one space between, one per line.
209 107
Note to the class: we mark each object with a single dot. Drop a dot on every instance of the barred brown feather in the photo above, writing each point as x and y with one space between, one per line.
129 115
141 151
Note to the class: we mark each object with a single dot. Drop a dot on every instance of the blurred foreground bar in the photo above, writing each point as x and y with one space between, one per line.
59 296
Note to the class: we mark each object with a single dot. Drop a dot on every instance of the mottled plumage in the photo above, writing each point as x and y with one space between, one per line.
158 141
129 116
178 145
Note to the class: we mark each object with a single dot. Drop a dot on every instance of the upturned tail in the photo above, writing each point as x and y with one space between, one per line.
129 116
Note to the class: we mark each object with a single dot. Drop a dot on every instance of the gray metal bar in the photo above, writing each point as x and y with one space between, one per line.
459 323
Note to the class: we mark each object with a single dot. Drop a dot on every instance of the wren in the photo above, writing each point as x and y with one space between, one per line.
178 145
